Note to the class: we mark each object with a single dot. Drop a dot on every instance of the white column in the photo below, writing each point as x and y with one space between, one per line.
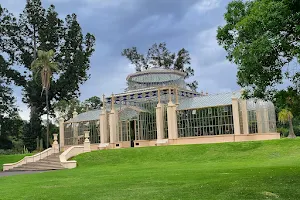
172 121
61 133
75 128
245 116
103 127
103 130
113 122
236 115
159 121
87 144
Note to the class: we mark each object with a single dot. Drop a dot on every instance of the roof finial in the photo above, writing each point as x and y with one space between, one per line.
112 101
75 113
103 101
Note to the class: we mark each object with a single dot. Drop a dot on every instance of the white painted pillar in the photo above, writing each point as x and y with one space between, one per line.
113 122
103 127
113 127
245 116
160 121
236 115
172 121
75 129
87 144
61 133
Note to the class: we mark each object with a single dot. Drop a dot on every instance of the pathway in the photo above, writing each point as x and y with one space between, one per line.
12 173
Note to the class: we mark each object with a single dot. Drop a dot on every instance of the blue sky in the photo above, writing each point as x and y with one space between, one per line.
119 24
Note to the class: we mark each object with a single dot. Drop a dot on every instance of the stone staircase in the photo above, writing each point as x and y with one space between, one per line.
51 162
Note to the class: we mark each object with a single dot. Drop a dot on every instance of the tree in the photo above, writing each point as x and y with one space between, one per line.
38 28
261 37
290 99
65 109
45 65
285 116
158 56
93 103
8 110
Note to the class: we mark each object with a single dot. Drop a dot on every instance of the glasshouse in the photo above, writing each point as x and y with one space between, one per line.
157 108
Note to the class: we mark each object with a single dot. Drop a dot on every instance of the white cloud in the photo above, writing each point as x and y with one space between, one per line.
90 7
59 1
206 5
153 24
214 73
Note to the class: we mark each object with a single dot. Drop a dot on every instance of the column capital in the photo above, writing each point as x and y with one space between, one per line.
171 104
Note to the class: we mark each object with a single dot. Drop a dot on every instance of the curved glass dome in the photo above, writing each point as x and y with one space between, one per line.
156 77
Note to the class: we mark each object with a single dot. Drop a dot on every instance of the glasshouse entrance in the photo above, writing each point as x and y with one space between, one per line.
136 123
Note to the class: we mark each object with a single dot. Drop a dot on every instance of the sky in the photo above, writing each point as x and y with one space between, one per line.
120 24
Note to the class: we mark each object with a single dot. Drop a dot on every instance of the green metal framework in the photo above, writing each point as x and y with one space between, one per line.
265 111
205 121
74 132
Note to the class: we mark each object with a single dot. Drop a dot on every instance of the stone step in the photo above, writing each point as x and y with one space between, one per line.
51 162
42 165
49 165
47 161
35 169
34 165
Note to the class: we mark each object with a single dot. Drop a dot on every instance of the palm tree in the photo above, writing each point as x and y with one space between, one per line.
45 65
285 116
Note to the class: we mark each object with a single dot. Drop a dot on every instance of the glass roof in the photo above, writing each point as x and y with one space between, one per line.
155 76
131 111
208 101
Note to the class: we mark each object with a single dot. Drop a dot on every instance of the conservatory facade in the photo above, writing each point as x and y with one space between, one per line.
157 108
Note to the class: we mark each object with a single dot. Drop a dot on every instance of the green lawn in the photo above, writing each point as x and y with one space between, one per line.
10 159
249 170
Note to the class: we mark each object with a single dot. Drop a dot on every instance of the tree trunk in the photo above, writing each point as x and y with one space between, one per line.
291 131
47 106
34 43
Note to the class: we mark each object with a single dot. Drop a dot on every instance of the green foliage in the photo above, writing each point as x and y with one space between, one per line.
36 29
285 115
65 109
93 103
246 170
289 99
44 65
261 37
158 56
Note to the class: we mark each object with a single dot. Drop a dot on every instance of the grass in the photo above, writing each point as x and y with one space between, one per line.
249 170
10 159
